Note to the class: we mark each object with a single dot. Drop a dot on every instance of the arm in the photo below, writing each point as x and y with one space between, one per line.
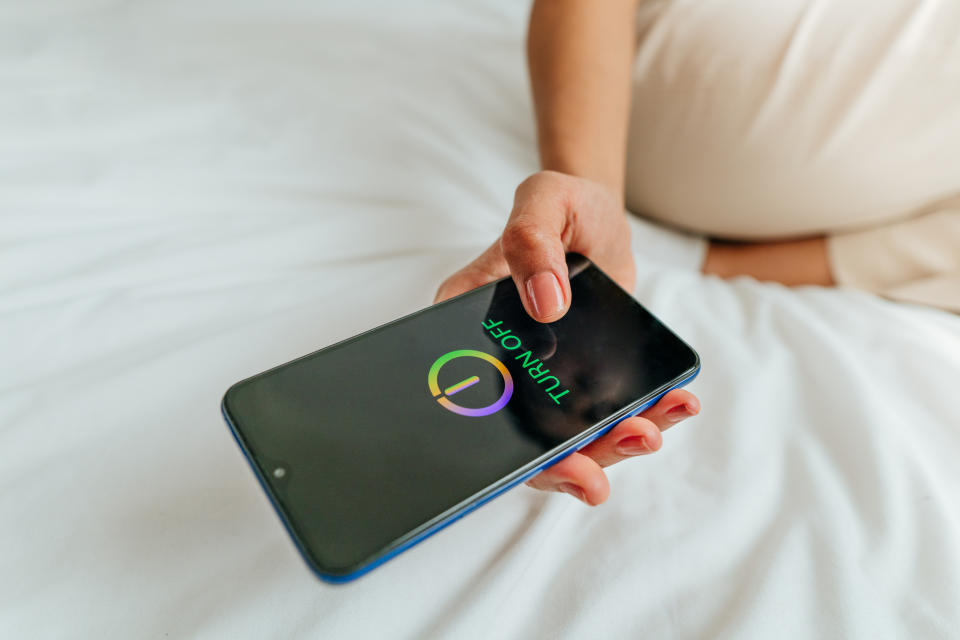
789 262
580 55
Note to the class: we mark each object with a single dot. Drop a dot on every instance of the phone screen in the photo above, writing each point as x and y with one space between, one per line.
363 443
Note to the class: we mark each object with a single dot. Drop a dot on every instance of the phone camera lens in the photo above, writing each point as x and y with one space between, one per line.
279 472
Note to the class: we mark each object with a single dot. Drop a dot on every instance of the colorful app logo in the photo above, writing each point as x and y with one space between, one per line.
444 397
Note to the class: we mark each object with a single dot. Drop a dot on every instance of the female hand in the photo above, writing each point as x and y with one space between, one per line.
554 213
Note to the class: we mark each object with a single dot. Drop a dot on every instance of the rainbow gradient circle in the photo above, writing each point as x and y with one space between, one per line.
448 404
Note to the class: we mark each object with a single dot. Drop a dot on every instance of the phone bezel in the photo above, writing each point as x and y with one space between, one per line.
338 575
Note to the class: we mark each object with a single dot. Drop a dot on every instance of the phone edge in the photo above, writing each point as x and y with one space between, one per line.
457 512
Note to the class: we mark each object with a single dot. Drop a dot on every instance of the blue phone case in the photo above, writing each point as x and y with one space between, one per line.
458 512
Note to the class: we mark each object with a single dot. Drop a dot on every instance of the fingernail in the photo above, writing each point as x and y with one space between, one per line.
574 490
545 294
679 412
633 446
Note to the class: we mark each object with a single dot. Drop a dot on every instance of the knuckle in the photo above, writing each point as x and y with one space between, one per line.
522 236
675 394
538 178
639 425
554 178
544 182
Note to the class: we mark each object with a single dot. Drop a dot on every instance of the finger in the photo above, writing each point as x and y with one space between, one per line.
675 406
640 435
577 475
634 436
532 244
487 267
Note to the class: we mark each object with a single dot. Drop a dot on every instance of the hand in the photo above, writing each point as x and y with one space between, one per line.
581 473
554 213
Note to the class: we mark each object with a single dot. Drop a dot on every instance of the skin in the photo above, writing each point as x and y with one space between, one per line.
792 262
580 57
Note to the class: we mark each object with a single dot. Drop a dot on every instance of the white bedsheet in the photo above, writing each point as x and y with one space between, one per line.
191 192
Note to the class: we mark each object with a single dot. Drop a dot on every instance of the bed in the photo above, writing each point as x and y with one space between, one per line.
191 192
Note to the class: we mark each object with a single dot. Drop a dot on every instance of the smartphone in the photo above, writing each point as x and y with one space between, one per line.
372 444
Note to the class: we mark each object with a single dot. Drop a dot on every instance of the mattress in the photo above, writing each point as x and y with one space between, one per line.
192 192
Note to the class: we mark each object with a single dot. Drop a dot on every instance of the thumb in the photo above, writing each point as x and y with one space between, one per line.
533 247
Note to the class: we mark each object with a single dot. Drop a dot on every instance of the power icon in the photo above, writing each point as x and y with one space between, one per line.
443 396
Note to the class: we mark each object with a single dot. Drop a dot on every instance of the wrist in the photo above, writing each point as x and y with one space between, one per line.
580 185
579 163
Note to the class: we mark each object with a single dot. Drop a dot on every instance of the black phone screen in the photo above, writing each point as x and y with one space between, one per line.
363 443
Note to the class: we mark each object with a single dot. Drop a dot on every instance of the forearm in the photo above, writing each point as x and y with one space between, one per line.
580 54
790 262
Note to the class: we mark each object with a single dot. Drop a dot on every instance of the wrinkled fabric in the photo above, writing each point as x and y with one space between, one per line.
758 120
192 192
